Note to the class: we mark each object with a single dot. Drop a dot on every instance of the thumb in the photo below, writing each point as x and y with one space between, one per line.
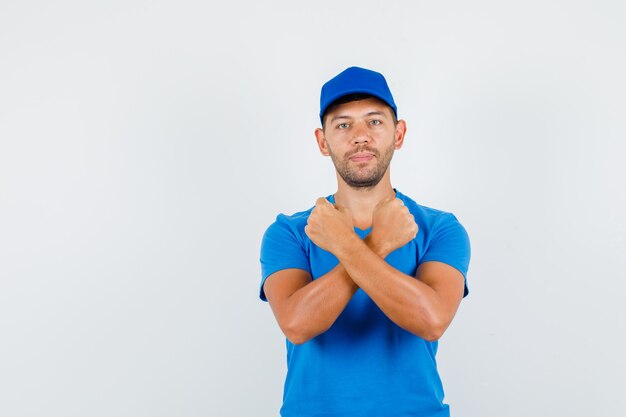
342 209
321 201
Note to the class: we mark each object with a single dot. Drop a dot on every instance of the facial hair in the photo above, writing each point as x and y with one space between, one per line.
365 177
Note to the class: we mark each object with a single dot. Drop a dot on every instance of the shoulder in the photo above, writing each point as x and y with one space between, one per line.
298 219
290 222
285 245
295 222
288 228
429 219
443 236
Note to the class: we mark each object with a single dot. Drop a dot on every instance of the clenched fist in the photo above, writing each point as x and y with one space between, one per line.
330 226
393 226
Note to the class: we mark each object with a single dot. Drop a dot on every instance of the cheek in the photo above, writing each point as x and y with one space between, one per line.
330 150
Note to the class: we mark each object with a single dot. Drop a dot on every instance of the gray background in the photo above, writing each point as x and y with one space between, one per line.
146 145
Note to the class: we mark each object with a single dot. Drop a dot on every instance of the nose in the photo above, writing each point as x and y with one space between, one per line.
360 134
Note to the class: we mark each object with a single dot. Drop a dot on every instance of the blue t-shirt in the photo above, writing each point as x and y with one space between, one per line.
364 364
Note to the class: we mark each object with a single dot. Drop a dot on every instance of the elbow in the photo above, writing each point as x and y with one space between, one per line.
434 329
294 336
296 333
430 330
297 339
432 335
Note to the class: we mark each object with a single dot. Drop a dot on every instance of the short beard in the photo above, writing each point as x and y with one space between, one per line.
357 178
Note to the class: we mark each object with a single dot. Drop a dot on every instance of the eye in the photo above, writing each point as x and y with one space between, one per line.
342 126
376 122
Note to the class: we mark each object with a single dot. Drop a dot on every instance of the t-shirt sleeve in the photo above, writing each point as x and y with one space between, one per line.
450 244
281 248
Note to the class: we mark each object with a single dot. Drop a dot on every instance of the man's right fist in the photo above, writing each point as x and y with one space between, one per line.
393 226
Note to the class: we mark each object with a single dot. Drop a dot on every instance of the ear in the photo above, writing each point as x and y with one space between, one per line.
321 141
399 134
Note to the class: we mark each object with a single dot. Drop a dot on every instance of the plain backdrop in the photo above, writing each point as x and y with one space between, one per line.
145 146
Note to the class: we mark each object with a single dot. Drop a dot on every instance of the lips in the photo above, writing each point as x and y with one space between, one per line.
361 157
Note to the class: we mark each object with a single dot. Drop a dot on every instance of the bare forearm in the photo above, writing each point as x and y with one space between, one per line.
407 301
424 304
312 309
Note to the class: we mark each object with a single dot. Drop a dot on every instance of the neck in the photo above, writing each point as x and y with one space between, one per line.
361 201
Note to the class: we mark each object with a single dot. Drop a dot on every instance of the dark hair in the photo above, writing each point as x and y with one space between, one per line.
350 98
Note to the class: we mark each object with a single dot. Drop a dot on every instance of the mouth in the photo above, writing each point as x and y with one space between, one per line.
361 157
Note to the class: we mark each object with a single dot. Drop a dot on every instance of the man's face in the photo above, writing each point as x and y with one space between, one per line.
360 137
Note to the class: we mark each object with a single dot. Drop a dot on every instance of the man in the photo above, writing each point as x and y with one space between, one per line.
364 283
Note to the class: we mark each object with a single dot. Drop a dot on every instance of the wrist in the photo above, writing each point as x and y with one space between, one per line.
376 246
350 244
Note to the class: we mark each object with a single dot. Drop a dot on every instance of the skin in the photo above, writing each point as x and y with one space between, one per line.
360 137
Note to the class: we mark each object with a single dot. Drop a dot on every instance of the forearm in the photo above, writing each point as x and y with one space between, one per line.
312 309
408 302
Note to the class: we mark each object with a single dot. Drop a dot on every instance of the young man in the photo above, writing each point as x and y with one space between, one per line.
364 283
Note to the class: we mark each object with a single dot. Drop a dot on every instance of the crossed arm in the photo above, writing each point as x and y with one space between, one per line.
423 305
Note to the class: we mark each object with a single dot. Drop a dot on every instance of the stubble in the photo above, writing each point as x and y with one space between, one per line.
363 177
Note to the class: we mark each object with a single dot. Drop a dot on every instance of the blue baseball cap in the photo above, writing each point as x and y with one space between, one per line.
352 81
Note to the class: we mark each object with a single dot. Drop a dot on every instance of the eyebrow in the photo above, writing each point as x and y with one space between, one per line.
371 113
